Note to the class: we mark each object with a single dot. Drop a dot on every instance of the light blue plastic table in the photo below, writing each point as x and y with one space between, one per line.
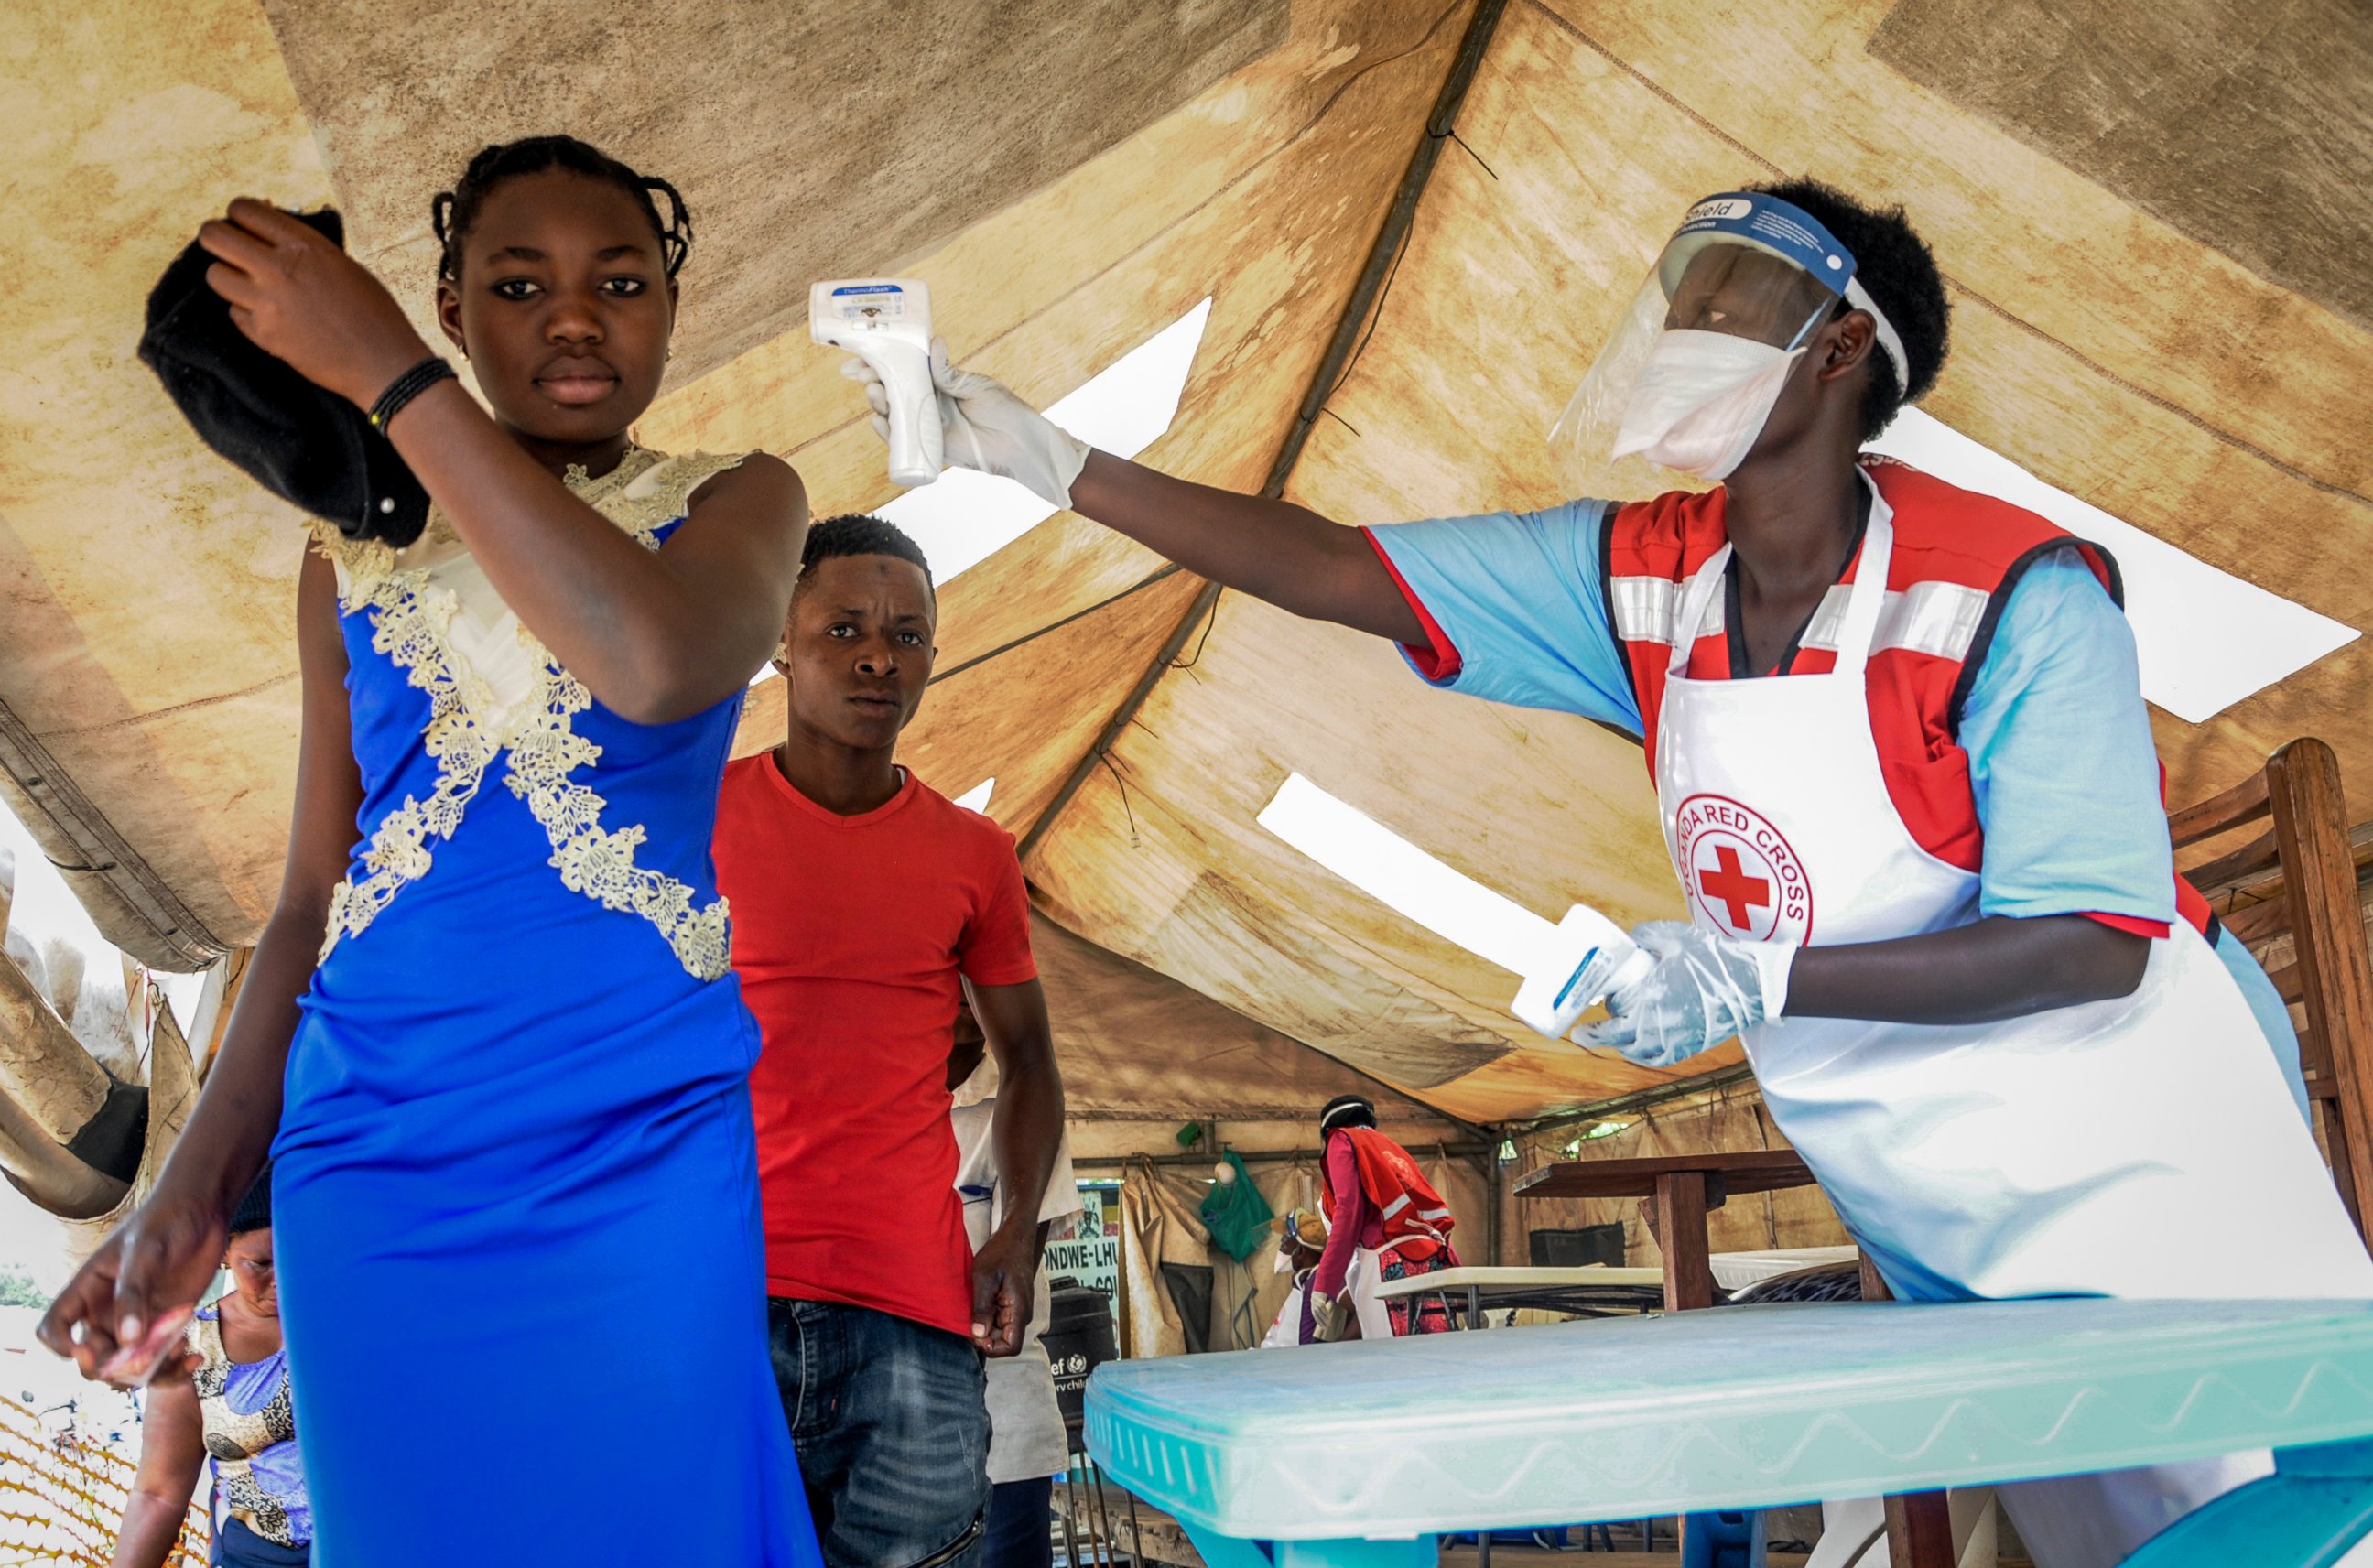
1358 1455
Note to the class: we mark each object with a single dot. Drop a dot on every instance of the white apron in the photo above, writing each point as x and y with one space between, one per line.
2144 1146
1285 1333
1361 1279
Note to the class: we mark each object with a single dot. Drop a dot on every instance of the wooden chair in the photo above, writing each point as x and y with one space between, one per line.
2296 891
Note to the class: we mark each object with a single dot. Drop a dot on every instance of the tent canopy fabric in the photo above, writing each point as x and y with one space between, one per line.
1141 1054
2159 306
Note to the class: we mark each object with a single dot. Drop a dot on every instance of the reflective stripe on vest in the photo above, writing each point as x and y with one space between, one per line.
1940 619
1958 554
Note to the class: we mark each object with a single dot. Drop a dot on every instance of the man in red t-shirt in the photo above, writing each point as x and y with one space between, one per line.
865 906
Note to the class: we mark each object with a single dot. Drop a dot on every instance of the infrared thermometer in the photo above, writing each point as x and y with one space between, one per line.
1581 962
886 321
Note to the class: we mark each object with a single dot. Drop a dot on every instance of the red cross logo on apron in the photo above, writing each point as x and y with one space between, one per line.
1742 876
1728 885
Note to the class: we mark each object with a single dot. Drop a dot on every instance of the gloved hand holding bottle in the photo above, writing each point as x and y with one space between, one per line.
1703 989
984 425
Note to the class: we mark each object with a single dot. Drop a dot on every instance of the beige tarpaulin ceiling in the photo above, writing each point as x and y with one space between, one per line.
2151 218
1142 1053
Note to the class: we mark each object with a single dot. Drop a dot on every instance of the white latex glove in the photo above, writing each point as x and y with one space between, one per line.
1703 989
984 425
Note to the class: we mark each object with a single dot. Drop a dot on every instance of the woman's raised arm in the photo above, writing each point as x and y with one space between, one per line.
655 636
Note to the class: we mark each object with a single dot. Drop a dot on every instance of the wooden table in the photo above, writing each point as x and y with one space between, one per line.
1683 1188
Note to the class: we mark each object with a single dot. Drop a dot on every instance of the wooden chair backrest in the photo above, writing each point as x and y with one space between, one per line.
2296 891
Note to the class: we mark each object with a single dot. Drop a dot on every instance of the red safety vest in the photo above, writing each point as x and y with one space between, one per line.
1416 1220
1958 557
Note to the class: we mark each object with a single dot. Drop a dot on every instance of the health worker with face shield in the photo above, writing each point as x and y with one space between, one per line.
1905 776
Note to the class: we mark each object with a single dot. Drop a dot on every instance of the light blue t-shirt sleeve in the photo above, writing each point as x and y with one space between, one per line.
2061 757
1517 598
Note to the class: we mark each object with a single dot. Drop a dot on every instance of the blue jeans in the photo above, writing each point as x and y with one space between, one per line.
892 1426
236 1546
1021 1515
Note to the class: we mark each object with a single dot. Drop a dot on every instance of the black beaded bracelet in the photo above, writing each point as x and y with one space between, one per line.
407 387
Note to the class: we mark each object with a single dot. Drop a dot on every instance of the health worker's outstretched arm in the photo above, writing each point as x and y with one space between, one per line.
1287 555
1273 550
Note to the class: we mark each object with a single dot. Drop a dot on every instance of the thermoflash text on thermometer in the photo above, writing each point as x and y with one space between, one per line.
886 321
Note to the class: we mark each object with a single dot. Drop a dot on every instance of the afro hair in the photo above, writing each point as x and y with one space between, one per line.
1895 264
859 533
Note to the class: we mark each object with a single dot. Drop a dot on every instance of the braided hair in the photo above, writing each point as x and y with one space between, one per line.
455 212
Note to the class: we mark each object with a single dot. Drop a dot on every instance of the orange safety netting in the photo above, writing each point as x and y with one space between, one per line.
62 1500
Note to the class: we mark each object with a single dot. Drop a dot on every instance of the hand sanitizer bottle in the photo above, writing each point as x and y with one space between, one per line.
1586 959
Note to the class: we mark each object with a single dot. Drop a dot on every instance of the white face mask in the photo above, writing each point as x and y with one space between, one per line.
1702 399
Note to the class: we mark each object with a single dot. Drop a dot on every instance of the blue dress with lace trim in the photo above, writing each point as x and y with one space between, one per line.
515 1194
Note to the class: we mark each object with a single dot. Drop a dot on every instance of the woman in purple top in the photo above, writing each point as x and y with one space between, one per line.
233 1409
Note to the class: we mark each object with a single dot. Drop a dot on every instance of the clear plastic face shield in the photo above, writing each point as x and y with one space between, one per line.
1691 370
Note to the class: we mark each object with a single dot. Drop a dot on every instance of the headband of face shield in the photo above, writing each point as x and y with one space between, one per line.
1691 371
1297 1227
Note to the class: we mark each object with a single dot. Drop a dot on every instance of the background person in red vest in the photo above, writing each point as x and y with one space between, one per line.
1926 866
1385 1222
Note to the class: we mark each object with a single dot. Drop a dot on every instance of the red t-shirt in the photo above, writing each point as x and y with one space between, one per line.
849 935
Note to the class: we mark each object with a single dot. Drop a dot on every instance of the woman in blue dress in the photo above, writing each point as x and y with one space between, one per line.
520 1269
